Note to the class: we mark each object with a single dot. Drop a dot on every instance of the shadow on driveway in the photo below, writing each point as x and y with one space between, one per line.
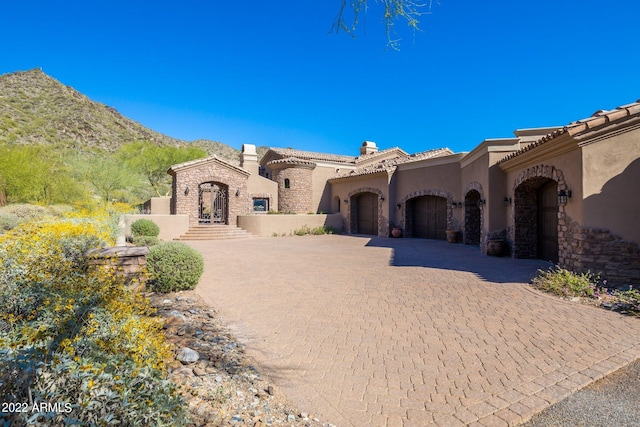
446 256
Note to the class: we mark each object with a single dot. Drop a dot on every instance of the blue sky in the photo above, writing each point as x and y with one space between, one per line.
270 73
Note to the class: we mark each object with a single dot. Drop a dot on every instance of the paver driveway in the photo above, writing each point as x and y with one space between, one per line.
408 332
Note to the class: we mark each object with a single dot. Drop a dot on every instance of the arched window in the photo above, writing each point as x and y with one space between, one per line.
287 183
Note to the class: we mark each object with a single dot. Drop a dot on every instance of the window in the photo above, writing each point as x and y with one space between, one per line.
260 205
287 183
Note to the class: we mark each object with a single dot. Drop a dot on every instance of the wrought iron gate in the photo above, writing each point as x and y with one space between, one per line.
213 203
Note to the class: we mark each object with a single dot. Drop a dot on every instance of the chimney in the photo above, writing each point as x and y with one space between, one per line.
368 147
249 159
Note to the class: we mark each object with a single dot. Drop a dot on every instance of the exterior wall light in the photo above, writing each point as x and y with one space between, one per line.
186 191
399 206
481 203
507 202
382 198
346 202
238 192
563 197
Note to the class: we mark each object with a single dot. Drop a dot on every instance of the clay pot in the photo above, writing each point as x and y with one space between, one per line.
495 247
452 236
396 232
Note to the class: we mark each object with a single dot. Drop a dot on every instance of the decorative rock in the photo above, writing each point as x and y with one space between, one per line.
199 372
188 355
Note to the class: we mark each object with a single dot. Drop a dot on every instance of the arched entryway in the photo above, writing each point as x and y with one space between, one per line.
364 213
426 217
536 219
472 218
213 203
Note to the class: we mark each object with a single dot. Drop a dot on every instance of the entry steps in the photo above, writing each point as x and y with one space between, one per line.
215 232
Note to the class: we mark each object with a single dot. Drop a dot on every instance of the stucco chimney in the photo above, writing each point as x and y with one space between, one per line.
368 147
249 158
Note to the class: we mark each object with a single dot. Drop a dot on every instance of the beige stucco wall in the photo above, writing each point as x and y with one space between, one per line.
158 205
282 224
261 187
568 166
611 169
345 189
321 190
171 226
438 177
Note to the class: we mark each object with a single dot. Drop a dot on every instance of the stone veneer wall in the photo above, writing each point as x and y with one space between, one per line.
188 204
601 252
128 262
298 197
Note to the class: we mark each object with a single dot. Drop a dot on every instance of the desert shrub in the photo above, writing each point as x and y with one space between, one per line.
562 282
565 283
75 335
145 240
174 266
144 227
314 231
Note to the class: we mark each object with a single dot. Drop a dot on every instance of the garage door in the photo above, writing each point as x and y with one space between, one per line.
367 213
430 217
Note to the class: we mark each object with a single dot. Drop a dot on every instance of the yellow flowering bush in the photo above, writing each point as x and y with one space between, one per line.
72 334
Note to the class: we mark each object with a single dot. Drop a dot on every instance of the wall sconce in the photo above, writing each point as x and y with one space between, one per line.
563 197
455 205
382 198
346 202
481 203
399 206
186 191
238 192
507 202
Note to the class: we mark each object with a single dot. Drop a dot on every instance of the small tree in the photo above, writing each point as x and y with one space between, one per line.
393 10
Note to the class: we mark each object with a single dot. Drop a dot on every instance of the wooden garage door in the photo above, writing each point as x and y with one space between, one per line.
548 222
430 217
367 213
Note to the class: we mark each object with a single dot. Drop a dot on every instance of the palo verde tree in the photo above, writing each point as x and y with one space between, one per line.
153 160
409 11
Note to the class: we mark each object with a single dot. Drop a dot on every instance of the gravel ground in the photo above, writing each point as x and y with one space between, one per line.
221 384
611 401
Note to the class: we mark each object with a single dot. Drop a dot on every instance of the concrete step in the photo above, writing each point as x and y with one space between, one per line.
215 232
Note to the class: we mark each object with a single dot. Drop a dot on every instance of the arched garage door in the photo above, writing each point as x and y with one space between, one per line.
366 213
428 217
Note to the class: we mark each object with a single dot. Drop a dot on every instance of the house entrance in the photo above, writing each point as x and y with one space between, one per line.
536 219
548 222
427 217
213 203
472 218
366 213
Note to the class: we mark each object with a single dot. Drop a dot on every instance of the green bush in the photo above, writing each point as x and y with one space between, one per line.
174 266
144 227
145 240
565 283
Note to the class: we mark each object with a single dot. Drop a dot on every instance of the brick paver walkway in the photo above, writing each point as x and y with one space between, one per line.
408 332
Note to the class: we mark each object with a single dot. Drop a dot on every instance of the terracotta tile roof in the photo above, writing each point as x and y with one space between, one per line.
370 156
598 120
292 161
389 165
310 155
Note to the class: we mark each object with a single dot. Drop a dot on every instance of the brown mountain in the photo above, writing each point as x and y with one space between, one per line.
37 109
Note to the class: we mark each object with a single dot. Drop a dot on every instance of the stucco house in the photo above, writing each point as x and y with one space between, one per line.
564 194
